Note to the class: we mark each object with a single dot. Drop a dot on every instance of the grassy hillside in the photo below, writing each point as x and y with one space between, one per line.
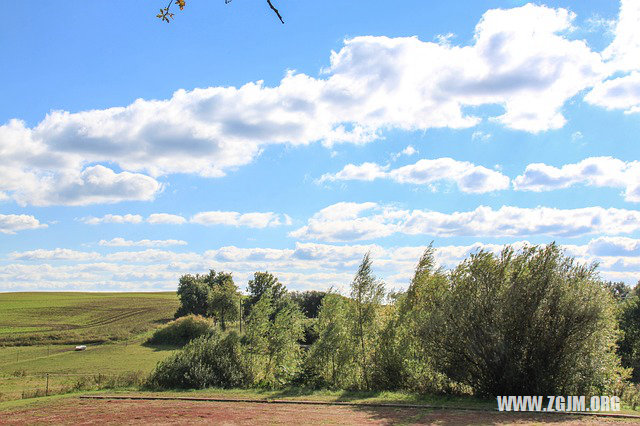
68 318
38 332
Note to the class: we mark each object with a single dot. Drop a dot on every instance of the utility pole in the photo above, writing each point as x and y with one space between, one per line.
240 314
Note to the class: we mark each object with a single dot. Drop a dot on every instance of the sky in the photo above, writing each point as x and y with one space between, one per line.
134 151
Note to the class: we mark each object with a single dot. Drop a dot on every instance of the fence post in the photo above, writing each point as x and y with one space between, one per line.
46 392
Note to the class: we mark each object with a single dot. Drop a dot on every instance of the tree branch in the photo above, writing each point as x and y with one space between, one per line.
275 10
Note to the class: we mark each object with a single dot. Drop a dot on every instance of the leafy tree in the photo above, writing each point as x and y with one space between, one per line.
331 357
223 299
528 323
309 301
367 293
404 361
193 293
619 290
261 282
272 341
629 344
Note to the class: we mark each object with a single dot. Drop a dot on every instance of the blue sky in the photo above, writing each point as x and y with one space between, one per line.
135 151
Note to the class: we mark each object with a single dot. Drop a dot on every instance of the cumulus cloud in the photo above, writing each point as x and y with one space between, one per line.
520 59
624 52
622 56
55 254
614 246
165 219
12 223
36 174
368 221
121 242
230 218
408 151
618 93
306 266
210 218
467 176
113 218
593 171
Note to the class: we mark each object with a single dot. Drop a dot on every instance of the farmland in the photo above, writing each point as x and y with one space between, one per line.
69 318
38 332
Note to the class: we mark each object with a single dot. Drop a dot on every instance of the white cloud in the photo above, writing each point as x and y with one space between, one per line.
210 218
306 266
519 59
113 218
624 52
229 218
368 221
408 151
121 242
622 56
364 171
36 174
467 176
165 218
593 171
55 254
614 246
12 223
618 93
481 136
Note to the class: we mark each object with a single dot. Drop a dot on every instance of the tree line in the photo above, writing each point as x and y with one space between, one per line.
529 322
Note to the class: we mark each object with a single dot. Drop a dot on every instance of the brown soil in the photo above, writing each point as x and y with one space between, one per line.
89 412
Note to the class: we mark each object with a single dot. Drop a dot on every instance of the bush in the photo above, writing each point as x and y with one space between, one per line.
528 323
181 331
208 361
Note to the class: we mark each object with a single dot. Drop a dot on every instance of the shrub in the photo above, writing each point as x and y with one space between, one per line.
528 323
208 361
181 331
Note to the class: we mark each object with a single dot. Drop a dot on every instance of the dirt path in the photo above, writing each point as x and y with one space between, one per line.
89 412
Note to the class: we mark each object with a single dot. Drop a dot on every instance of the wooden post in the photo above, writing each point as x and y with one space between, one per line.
46 392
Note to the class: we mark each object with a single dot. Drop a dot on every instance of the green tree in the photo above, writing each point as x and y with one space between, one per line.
223 299
261 283
367 293
309 301
527 323
404 361
272 341
193 293
629 344
619 290
331 357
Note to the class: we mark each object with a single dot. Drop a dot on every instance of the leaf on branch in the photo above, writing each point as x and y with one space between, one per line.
181 4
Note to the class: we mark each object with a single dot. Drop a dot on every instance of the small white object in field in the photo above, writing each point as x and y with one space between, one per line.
81 347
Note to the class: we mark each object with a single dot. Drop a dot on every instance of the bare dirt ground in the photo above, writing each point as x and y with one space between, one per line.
88 412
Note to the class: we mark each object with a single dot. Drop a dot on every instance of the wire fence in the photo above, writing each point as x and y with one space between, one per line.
24 386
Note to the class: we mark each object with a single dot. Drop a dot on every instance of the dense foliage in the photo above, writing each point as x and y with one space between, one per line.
208 361
213 295
181 331
532 322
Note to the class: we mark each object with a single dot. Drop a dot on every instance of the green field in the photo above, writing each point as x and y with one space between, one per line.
70 318
38 333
